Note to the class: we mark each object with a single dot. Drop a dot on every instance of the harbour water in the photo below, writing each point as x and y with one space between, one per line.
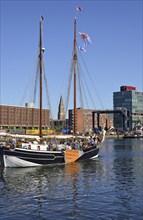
109 187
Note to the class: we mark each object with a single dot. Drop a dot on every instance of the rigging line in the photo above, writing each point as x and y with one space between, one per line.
36 82
79 84
31 90
33 82
92 82
55 108
69 86
47 92
96 93
88 91
82 85
83 88
28 87
26 92
66 92
64 83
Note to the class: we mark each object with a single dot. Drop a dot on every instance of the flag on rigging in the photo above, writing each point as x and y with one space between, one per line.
78 8
82 49
85 38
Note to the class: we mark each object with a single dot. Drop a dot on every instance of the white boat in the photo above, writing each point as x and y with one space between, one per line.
137 132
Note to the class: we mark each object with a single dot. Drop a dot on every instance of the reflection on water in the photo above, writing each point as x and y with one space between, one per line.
109 187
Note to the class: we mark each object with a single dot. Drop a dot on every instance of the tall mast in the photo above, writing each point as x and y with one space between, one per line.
40 63
75 66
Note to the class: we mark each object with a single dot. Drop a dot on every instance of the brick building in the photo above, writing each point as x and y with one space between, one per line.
23 117
84 120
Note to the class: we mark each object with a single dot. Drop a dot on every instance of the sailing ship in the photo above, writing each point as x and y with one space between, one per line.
66 150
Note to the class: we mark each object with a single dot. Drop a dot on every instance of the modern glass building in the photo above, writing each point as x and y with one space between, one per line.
132 101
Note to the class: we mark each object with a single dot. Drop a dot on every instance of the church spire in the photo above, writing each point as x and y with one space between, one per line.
61 110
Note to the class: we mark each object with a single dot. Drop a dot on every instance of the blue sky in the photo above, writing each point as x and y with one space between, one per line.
113 59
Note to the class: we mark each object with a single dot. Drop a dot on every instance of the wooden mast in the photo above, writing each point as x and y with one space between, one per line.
40 63
75 66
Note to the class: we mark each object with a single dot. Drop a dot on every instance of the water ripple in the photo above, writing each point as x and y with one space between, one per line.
109 187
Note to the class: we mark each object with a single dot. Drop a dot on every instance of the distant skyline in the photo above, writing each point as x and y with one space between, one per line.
113 59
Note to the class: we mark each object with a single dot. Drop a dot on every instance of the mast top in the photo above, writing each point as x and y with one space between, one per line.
41 18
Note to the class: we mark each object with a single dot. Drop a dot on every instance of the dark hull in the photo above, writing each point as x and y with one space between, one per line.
33 157
132 136
37 157
26 158
1 157
92 152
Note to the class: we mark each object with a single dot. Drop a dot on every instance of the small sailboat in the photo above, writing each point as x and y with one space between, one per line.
66 150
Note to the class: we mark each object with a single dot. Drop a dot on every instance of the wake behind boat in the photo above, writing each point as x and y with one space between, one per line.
53 150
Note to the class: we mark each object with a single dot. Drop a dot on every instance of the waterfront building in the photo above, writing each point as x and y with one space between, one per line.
130 99
84 121
27 117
